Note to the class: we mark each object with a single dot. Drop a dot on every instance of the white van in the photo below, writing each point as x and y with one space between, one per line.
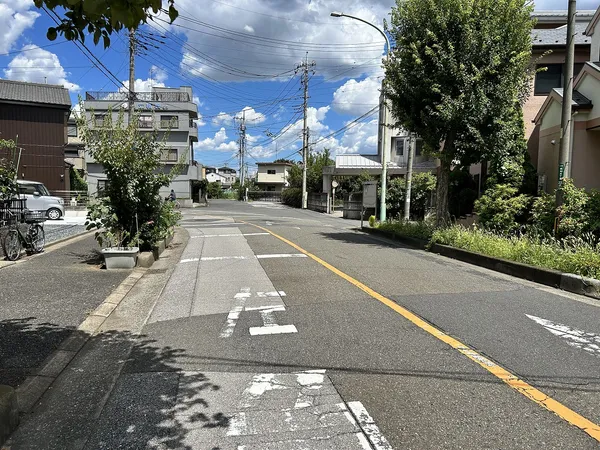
39 199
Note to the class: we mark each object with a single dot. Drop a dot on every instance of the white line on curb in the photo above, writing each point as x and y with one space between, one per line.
366 422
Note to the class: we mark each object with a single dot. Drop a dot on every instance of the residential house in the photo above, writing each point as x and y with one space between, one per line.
273 176
225 175
172 113
35 115
584 159
75 149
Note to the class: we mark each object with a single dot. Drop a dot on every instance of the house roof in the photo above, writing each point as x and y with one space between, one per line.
558 36
579 101
353 161
592 25
23 92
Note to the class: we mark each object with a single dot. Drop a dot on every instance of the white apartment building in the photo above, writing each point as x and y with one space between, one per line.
172 112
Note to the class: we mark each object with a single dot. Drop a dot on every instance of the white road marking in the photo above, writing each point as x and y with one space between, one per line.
189 260
238 426
580 339
234 314
271 294
282 255
366 422
222 258
269 223
276 329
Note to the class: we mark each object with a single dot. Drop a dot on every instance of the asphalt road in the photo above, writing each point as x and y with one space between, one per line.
254 345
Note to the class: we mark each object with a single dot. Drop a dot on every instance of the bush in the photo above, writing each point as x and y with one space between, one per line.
543 213
77 182
419 230
292 197
501 209
580 256
372 221
423 185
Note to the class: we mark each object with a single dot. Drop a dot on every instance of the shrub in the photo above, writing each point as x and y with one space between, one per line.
543 213
292 197
372 221
419 230
423 184
578 255
501 209
77 182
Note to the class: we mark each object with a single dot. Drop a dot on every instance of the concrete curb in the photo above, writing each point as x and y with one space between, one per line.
9 412
413 242
566 281
32 389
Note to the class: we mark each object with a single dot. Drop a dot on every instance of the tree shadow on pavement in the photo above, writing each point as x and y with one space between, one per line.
364 239
97 403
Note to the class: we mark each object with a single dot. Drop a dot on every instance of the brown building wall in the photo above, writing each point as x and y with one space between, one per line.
586 159
42 133
548 158
534 102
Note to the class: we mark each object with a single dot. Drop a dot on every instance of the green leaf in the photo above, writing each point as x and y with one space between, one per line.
106 41
97 35
51 34
173 13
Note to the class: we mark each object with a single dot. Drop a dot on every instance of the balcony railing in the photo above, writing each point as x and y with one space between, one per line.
193 124
139 96
173 124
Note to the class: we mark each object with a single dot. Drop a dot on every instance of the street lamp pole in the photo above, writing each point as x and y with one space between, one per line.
384 143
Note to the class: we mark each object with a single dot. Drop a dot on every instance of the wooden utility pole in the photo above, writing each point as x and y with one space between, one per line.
566 124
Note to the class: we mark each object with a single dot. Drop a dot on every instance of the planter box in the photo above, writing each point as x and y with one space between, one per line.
120 257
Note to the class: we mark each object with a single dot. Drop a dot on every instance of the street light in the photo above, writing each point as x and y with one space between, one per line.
382 208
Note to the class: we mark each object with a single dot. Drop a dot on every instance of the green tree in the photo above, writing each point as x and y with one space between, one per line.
8 169
101 18
456 78
314 172
423 185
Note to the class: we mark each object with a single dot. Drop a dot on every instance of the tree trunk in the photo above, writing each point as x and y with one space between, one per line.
443 183
442 214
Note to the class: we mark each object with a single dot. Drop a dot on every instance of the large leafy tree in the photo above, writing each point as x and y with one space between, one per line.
100 18
457 78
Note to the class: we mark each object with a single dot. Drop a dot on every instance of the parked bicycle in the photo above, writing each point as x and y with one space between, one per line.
13 216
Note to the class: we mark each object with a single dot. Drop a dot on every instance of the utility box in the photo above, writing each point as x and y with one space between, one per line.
370 194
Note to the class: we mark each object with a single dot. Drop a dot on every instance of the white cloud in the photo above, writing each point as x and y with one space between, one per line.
357 97
276 34
220 143
252 117
360 138
39 66
15 18
562 5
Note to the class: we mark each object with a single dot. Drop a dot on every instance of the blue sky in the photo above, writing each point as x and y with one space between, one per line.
238 55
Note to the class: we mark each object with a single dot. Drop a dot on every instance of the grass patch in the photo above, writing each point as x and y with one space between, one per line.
580 256
419 230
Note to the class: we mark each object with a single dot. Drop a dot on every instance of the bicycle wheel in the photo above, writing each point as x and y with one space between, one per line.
37 237
12 245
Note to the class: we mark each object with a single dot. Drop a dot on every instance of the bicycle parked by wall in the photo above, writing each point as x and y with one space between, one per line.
15 218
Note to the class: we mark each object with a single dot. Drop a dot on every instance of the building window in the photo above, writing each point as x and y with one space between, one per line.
271 171
419 147
72 130
552 77
400 146
169 154
100 120
145 122
102 185
169 121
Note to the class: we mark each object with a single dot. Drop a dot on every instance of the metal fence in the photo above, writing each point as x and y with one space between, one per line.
318 202
265 196
72 198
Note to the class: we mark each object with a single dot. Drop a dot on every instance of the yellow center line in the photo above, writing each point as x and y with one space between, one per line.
507 377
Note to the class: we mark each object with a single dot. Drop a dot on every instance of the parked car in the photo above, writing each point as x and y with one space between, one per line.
39 199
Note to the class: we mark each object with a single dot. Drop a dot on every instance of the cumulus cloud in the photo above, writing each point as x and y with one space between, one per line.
357 97
15 18
275 35
360 138
220 143
37 65
252 117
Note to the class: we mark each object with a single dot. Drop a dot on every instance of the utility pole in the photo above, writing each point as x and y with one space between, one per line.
242 147
305 68
566 124
409 171
131 93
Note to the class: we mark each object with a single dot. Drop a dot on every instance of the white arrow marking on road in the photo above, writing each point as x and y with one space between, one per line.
580 339
234 314
270 323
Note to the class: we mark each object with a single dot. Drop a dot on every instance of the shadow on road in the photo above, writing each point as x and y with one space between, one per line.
360 238
95 400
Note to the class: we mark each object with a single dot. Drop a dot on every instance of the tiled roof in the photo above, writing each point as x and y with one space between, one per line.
20 91
558 36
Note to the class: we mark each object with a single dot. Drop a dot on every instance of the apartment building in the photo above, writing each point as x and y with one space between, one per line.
273 176
172 113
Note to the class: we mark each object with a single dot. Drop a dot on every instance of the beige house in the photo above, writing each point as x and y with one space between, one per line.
273 176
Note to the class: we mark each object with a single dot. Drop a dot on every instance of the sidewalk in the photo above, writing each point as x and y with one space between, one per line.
44 299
